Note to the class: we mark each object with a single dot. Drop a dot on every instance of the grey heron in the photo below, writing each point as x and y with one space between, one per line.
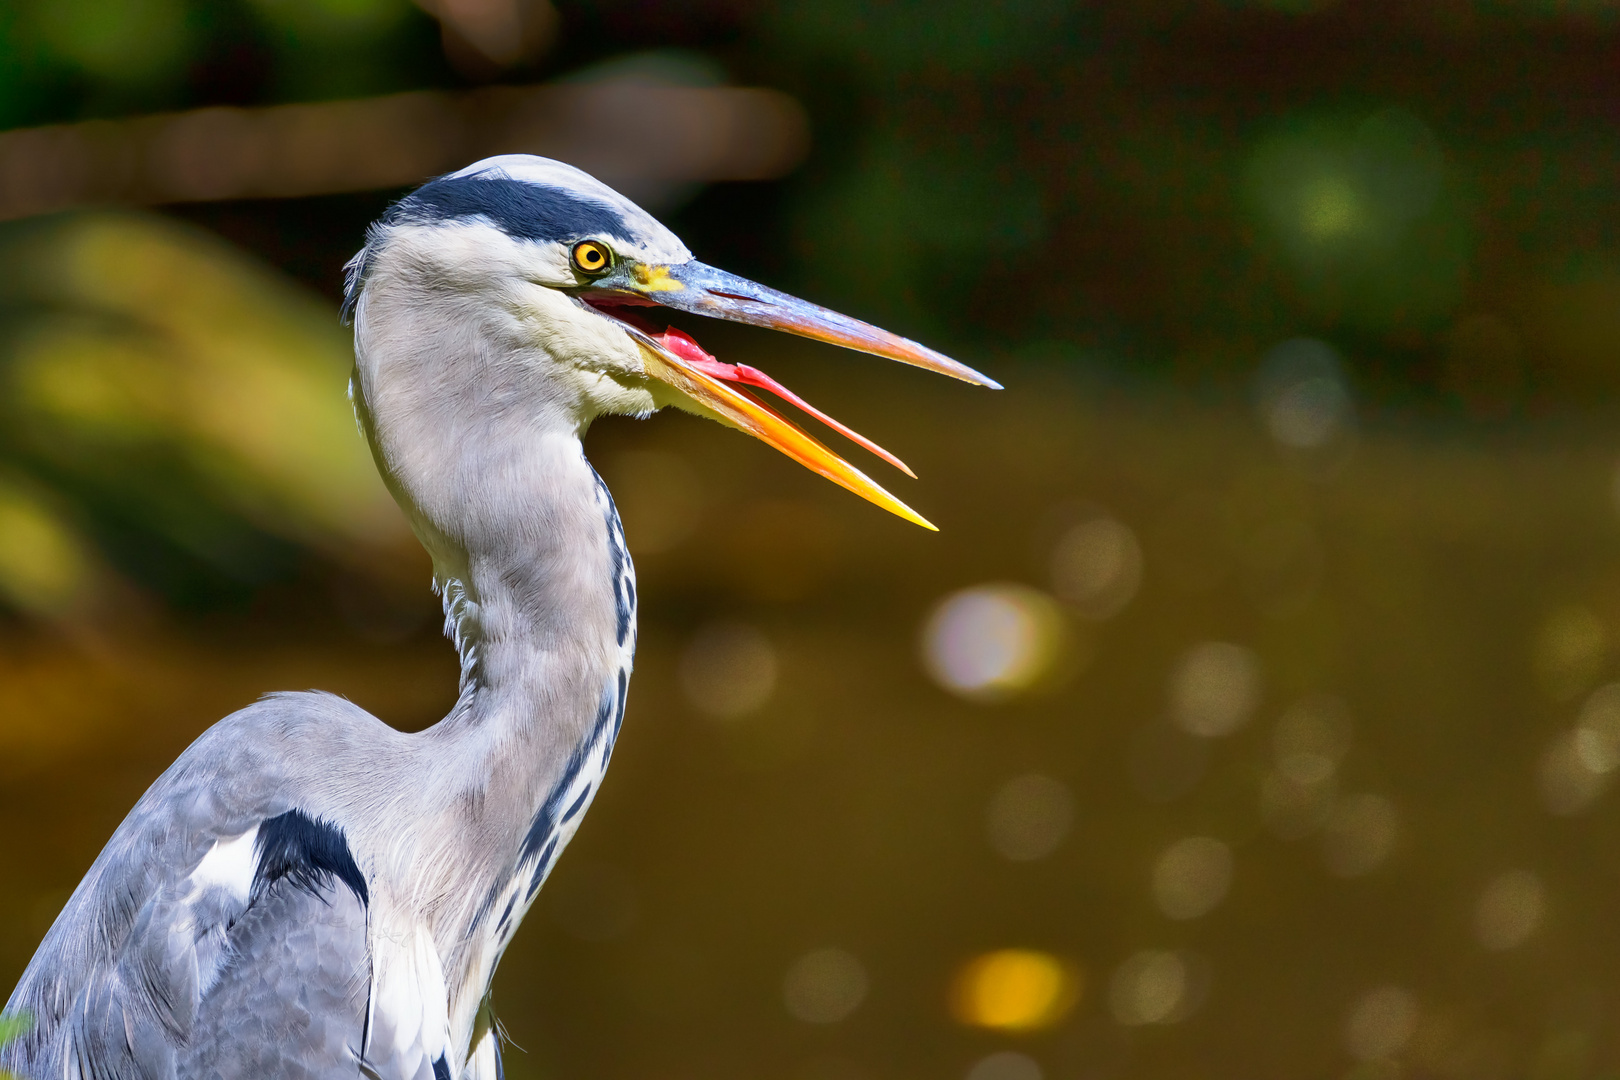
307 892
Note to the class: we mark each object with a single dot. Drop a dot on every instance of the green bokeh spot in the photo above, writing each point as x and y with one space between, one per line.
120 40
1359 209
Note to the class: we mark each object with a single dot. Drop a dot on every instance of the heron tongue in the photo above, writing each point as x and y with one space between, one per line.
681 345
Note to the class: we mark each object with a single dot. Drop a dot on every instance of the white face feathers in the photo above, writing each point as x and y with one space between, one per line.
492 249
521 287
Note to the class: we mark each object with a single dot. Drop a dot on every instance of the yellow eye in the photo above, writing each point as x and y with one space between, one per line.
591 257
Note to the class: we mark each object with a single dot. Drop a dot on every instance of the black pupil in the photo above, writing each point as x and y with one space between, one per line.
590 257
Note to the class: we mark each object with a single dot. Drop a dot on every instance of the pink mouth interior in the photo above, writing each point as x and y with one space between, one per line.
682 346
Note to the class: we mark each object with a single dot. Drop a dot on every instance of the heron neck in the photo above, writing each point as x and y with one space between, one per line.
539 599
483 452
477 434
539 594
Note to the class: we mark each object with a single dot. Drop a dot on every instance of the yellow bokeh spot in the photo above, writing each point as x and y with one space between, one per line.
1570 651
1014 990
42 567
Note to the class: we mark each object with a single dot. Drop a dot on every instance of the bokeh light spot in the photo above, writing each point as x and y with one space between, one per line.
1192 877
1312 738
1097 567
1380 1023
1329 207
824 986
1214 689
1568 784
1005 1065
1359 835
1309 743
1291 808
1152 987
1014 990
728 670
1028 817
1308 413
1509 911
992 641
1597 731
1303 397
1570 651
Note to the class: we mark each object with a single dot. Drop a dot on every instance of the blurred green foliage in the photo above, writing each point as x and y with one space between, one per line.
175 405
65 59
11 1029
115 40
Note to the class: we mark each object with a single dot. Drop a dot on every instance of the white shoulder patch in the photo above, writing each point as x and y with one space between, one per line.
229 865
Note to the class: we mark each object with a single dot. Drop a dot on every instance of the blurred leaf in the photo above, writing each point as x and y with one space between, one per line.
115 39
44 567
12 1028
172 389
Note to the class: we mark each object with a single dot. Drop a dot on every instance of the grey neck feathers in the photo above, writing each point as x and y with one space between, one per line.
483 452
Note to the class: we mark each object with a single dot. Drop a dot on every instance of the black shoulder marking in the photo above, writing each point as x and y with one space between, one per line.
500 1068
441 1069
308 852
528 211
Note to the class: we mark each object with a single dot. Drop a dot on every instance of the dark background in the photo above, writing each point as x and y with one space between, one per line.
1173 230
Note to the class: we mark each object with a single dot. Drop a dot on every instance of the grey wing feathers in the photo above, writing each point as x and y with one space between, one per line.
176 939
293 1001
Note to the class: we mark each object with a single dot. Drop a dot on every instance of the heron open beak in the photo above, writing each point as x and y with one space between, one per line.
724 390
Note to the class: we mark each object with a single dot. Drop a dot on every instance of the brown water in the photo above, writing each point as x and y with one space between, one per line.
1415 886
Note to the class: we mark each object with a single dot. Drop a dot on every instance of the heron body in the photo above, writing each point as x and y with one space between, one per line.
307 892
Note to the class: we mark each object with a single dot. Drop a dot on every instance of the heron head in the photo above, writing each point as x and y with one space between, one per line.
567 276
